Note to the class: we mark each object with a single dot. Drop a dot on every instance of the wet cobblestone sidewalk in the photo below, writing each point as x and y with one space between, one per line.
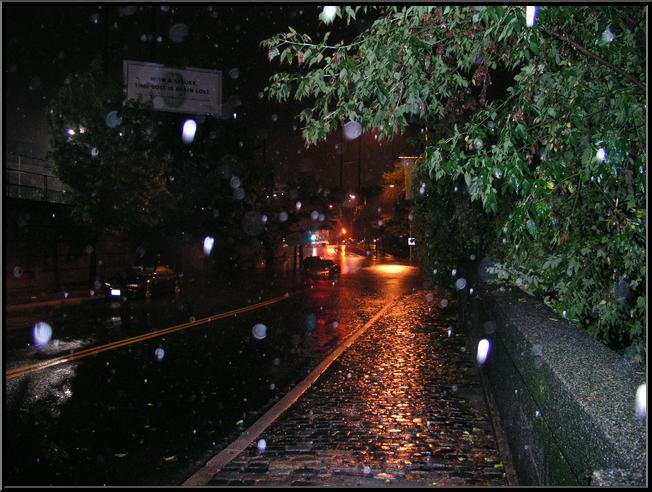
402 407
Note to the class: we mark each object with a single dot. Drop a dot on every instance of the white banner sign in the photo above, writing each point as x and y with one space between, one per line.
193 90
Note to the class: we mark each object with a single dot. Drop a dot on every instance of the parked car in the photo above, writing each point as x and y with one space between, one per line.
142 281
318 267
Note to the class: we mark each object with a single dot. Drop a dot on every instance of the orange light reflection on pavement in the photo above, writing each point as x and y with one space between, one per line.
391 269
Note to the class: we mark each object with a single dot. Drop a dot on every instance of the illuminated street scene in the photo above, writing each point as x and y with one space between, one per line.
325 246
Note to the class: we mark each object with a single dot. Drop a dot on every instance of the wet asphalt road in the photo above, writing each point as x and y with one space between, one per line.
152 412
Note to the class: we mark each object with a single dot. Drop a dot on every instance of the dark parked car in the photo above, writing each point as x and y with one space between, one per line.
319 267
142 282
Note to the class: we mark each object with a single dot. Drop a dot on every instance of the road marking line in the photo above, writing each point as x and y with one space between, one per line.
220 460
30 368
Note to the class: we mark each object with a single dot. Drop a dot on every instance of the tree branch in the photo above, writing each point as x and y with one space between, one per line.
590 54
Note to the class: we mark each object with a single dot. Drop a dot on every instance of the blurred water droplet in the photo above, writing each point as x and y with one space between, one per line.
234 73
94 152
489 327
42 332
352 130
178 33
607 35
601 155
430 297
159 353
443 303
208 245
188 132
261 446
18 272
483 351
259 331
328 14
641 401
112 119
238 194
460 284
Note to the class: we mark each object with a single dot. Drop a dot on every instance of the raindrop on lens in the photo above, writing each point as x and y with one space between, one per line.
18 272
328 13
42 333
259 331
298 205
530 15
454 272
352 130
234 182
483 351
208 245
607 35
94 152
314 215
112 119
178 33
188 133
601 155
234 73
460 284
641 401
261 446
443 303
430 297
283 216
159 353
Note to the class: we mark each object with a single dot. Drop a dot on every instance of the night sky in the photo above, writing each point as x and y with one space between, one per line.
46 44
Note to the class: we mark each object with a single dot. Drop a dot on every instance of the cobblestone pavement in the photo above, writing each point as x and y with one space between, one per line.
402 407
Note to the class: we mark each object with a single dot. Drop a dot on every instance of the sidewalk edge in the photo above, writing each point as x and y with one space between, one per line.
220 460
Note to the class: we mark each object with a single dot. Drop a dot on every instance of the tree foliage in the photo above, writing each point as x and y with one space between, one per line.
545 123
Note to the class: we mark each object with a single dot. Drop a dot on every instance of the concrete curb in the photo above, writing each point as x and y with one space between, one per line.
220 460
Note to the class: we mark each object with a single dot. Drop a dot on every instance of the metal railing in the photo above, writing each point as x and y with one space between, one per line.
32 179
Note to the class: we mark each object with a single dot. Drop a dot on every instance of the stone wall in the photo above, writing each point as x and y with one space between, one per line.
566 402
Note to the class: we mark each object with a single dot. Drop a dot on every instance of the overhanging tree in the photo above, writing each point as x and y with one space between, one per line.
561 151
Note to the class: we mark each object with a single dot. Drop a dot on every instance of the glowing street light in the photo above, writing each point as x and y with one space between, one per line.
343 230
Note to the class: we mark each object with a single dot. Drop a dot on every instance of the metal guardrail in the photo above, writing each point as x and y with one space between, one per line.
33 186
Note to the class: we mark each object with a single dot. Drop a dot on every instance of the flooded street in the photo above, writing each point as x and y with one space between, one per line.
149 409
